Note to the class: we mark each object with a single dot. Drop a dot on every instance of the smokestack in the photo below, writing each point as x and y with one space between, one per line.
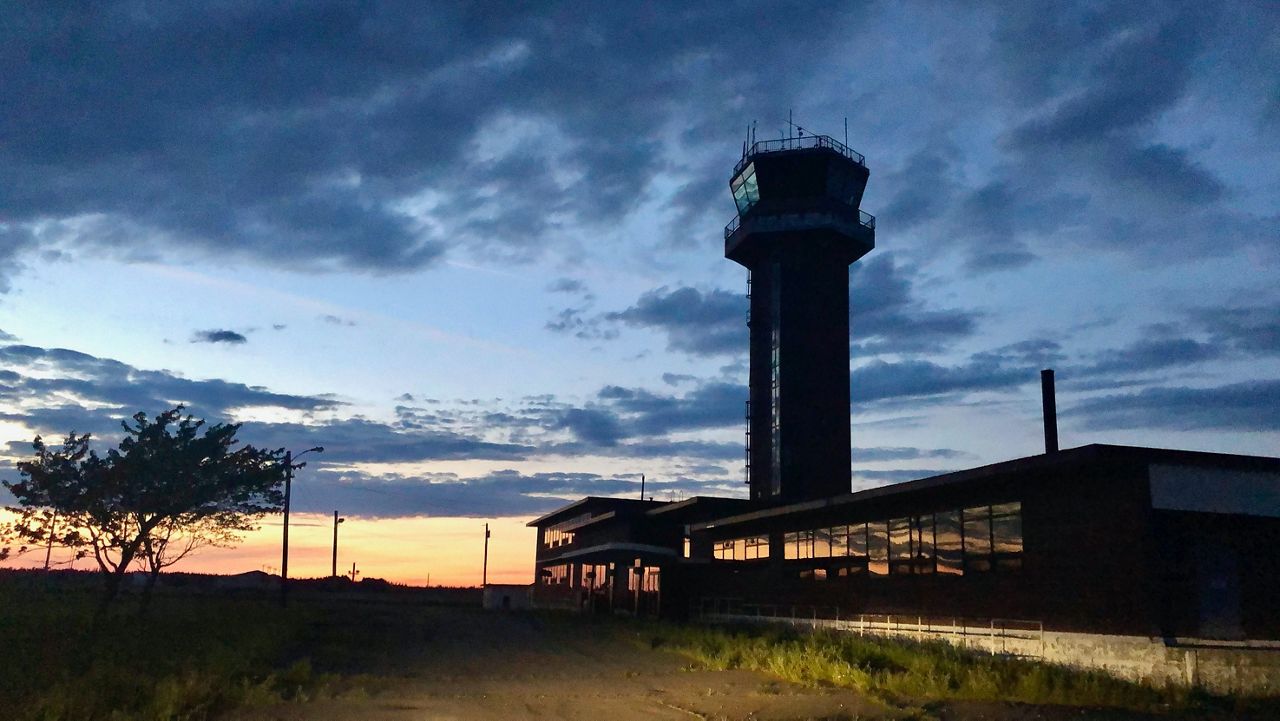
1050 405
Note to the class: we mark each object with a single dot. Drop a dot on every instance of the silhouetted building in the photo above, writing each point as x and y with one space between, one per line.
1138 559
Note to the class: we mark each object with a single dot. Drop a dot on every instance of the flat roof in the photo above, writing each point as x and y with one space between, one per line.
588 503
1082 454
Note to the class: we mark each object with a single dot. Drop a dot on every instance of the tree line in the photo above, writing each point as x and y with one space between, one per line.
172 485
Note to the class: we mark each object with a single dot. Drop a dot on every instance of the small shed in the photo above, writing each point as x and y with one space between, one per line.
508 597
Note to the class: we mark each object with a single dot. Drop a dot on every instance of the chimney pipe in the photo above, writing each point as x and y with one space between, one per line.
1050 406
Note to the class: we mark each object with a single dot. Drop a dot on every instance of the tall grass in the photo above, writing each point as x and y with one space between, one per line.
191 658
897 670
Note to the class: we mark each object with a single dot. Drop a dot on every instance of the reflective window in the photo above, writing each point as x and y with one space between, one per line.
900 539
858 540
557 575
746 192
1006 528
977 539
878 548
922 542
741 549
839 541
949 543
822 543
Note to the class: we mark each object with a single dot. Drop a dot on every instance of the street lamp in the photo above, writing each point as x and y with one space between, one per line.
336 521
289 458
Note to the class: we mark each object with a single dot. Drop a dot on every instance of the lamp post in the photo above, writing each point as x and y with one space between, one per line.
336 521
289 458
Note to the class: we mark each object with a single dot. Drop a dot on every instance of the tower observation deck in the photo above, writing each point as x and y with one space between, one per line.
797 231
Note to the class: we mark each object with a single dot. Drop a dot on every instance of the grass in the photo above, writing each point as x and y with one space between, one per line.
900 671
192 658
198 656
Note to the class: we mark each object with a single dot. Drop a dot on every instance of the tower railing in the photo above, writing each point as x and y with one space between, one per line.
785 220
800 142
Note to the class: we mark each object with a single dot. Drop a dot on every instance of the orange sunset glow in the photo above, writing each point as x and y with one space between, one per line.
414 551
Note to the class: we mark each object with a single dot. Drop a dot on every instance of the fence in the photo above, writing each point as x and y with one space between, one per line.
1008 637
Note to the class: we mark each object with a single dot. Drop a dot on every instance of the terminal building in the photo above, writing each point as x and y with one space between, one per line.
1160 548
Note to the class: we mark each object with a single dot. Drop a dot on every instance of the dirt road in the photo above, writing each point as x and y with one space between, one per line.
495 666
415 664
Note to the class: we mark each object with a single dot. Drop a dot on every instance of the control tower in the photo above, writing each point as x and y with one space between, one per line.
798 229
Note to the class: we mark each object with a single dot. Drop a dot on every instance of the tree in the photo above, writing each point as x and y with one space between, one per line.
179 537
166 481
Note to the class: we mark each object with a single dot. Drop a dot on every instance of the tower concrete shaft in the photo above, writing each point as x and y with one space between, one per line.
798 229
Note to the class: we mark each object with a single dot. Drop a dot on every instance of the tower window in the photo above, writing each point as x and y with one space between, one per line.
746 192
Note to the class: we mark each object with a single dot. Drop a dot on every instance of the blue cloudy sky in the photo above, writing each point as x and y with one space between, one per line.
476 250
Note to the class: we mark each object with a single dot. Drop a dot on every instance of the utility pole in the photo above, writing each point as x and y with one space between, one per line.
284 554
484 573
48 551
334 571
288 494
353 572
642 486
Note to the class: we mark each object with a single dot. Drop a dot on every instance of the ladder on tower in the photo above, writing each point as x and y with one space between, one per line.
747 467
748 299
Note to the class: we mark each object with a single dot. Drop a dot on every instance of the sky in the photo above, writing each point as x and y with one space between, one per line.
476 251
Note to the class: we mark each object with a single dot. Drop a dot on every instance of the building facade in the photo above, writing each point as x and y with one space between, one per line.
1163 548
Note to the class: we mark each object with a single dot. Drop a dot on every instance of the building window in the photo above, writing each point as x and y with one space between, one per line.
557 575
974 540
839 541
746 192
555 536
686 546
797 545
993 537
878 548
741 549
594 576
822 543
775 378
949 543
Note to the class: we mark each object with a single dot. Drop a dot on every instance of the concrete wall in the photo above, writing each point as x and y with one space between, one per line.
1251 668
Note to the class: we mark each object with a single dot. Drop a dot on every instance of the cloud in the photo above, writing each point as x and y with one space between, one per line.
501 493
56 390
886 316
368 138
1250 406
697 322
335 320
567 285
872 455
229 337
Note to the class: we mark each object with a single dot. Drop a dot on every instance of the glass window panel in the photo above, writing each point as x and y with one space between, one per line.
922 541
840 541
822 543
900 539
878 548
949 546
858 540
977 531
1006 527
791 546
